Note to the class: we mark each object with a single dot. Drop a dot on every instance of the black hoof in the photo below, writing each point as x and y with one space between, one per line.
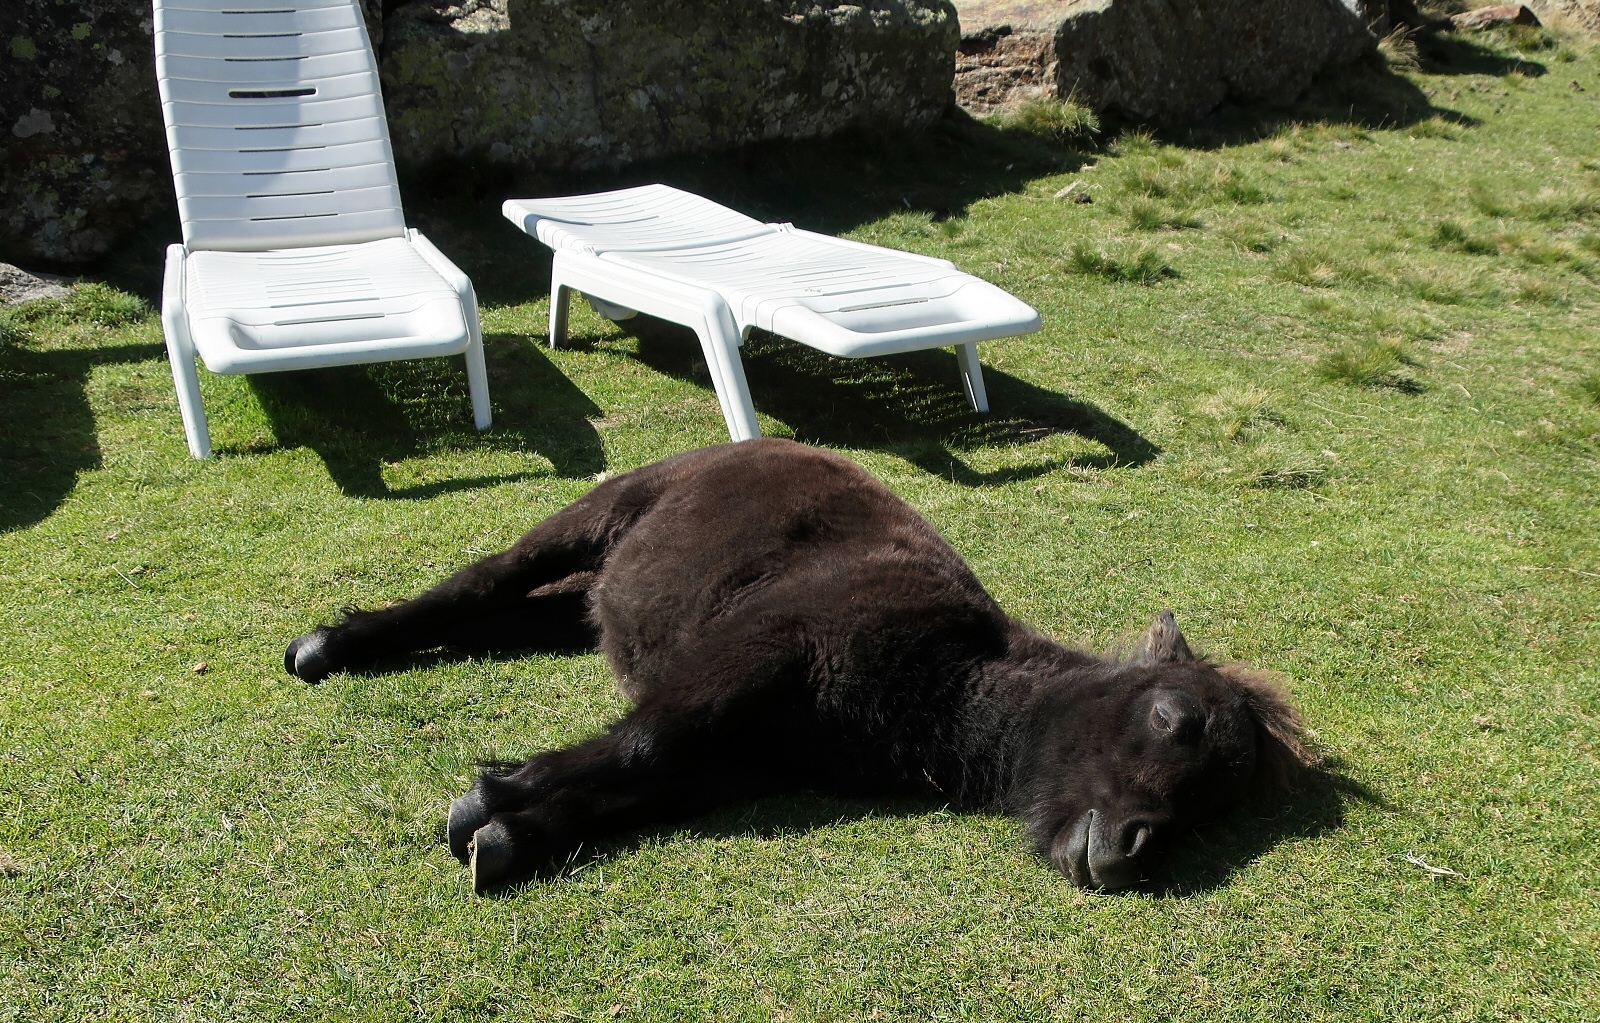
307 657
490 856
467 815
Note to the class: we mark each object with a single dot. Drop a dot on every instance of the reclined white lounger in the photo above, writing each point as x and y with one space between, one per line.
295 252
686 259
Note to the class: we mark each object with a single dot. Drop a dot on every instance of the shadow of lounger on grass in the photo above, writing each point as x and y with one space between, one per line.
911 405
47 429
360 418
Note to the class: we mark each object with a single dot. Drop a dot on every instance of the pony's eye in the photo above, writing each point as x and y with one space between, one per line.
1176 714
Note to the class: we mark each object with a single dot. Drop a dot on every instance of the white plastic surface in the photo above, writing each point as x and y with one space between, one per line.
631 220
275 124
295 254
725 274
252 312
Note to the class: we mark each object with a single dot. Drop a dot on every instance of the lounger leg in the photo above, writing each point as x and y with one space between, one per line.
477 371
187 381
972 376
180 352
560 303
719 339
478 383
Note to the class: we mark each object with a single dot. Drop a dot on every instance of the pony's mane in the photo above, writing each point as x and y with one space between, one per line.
1282 750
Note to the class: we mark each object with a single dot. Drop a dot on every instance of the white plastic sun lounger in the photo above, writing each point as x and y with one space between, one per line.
671 254
295 252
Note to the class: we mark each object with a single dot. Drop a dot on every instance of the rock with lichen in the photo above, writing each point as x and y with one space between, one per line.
83 155
18 285
1160 61
559 84
553 84
1580 14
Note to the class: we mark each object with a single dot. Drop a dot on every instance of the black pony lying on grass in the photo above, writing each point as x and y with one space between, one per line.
781 622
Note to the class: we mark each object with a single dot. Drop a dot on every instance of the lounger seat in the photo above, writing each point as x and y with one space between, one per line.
684 258
335 305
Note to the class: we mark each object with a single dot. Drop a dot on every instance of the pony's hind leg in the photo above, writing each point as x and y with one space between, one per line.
551 619
529 596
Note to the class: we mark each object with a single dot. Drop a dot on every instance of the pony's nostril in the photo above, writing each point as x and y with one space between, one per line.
1136 838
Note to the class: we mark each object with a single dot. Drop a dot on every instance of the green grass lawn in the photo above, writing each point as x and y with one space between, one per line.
1325 381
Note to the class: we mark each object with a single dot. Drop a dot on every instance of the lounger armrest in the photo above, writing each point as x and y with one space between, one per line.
174 315
440 262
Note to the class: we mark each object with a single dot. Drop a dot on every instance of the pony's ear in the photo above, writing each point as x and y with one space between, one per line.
1282 754
1164 642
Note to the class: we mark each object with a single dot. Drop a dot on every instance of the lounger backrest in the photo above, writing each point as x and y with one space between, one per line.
649 218
275 124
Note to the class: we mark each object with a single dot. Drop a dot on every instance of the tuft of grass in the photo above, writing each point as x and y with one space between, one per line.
1276 474
1434 128
1317 267
1399 50
1154 181
1443 285
1149 215
89 304
1376 362
1262 464
1453 236
1561 206
1146 215
1530 249
1538 252
1184 182
1528 38
1137 142
1135 265
91 308
1242 412
12 330
1541 291
1486 201
1062 122
1238 188
1251 236
1589 386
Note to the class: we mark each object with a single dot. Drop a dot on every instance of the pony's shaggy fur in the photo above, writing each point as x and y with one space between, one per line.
782 621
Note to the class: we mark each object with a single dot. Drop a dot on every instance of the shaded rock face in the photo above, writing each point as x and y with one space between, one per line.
582 83
1163 61
556 84
80 126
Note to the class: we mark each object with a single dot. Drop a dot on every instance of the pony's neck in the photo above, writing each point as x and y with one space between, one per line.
999 723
